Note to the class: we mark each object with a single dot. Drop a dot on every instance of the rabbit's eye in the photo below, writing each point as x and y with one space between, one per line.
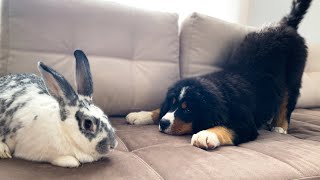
88 125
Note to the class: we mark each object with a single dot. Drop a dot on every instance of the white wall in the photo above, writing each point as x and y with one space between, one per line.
228 10
266 11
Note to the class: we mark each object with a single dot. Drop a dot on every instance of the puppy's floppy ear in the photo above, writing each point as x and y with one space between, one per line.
57 86
83 74
166 105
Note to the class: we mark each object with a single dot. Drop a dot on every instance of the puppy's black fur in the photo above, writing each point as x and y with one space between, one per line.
267 66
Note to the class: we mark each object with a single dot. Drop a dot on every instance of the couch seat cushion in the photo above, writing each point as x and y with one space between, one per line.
122 165
271 156
145 153
306 124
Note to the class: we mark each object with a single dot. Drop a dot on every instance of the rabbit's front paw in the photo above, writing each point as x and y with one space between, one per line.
4 151
66 161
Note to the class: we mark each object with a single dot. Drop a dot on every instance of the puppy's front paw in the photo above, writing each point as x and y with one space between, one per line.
140 118
66 161
4 151
279 130
205 140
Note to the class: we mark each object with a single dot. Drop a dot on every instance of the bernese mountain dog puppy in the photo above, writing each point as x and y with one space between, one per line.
260 83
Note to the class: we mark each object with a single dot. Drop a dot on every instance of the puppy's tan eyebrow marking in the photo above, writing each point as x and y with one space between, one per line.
184 105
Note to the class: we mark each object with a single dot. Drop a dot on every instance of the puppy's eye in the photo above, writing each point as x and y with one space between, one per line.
187 110
88 125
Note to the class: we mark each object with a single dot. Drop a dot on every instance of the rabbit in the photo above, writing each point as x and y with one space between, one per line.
45 120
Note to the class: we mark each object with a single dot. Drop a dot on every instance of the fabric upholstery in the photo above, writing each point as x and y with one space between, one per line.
134 57
310 91
133 53
145 153
122 165
207 42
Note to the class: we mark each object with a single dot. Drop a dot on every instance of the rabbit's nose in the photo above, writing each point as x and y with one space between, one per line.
114 144
112 139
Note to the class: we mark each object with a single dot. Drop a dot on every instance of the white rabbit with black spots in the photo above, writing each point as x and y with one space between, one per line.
44 119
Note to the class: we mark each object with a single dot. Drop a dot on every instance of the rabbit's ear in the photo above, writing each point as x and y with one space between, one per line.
83 74
57 86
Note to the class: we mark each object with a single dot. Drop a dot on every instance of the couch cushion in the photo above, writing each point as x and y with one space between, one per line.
145 153
133 53
207 42
306 124
120 165
271 156
310 91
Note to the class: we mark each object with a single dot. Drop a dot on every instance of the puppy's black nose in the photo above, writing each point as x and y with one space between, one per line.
164 124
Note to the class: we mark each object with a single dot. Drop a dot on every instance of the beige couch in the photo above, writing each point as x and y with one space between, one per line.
135 56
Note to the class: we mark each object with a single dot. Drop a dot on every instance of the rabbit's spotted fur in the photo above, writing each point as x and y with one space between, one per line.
44 119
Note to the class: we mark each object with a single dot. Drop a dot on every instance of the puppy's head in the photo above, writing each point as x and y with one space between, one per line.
188 108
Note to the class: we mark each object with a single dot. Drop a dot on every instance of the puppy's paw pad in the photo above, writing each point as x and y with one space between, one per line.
66 161
205 140
279 130
140 118
4 151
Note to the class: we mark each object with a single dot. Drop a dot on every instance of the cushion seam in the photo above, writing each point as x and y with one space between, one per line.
306 114
7 64
156 145
125 146
193 18
308 177
305 122
299 172
306 139
283 162
147 165
117 58
5 22
193 24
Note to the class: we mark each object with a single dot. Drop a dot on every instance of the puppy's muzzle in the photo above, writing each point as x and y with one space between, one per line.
164 124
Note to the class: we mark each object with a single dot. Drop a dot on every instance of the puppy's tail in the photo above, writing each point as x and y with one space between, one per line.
298 10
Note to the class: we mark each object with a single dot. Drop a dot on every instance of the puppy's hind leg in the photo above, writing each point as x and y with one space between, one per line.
295 65
280 123
295 71
293 95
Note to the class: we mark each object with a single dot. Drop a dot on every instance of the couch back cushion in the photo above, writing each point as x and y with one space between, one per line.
310 91
207 42
134 54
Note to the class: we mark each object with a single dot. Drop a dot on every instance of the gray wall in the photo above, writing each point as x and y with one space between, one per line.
265 11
